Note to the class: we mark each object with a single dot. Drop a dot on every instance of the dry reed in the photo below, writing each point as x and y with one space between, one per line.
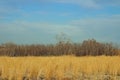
60 68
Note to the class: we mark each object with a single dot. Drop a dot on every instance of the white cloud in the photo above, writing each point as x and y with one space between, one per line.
112 19
89 3
82 3
72 28
65 14
13 6
48 28
100 28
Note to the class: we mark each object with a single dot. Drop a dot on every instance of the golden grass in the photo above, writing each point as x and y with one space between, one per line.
58 68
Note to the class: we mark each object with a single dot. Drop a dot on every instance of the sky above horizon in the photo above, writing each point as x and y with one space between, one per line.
39 21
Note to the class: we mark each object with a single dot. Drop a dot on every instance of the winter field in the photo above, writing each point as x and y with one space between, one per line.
60 68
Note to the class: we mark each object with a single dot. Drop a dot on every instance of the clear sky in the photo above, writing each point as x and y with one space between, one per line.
39 21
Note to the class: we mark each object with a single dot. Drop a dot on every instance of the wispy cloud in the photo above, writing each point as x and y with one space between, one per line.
65 14
100 21
102 29
50 28
82 3
8 7
32 32
40 18
90 3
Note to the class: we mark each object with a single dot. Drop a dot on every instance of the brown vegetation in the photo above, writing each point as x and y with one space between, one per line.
88 47
60 68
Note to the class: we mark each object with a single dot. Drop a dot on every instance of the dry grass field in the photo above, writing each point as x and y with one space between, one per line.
60 68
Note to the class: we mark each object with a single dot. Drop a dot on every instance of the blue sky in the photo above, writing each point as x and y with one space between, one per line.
39 21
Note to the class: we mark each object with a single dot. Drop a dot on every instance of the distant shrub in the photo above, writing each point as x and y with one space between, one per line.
87 47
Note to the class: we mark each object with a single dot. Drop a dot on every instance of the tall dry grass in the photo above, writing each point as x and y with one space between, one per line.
60 68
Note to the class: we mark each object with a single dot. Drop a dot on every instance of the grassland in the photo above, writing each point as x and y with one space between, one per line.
60 68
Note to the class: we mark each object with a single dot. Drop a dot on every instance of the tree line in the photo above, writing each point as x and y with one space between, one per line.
86 48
